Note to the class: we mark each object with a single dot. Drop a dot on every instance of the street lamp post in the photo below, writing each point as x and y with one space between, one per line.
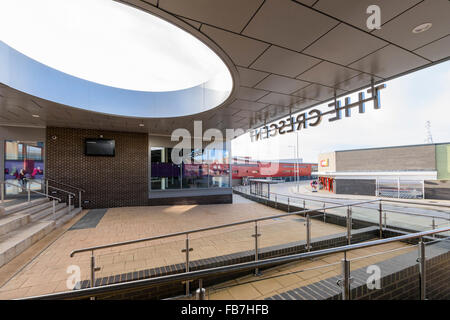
295 164
298 165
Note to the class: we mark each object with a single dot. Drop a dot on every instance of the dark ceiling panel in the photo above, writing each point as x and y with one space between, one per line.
399 30
288 24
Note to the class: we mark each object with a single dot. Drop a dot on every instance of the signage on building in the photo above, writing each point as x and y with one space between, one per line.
324 163
314 117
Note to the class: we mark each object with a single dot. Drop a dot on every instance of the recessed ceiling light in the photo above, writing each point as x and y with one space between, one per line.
141 124
422 28
35 115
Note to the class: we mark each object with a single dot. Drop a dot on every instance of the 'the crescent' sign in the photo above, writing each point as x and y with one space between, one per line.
314 116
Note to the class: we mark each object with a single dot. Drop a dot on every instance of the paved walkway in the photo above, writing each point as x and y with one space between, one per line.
47 272
277 280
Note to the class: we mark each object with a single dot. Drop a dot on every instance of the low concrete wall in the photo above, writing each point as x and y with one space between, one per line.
365 187
210 199
399 280
437 189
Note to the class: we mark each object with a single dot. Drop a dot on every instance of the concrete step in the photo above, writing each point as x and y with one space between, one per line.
47 212
23 205
12 222
37 208
66 217
60 213
17 241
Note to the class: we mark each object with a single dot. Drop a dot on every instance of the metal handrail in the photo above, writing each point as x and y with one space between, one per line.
34 191
196 275
385 210
380 199
34 181
65 184
205 229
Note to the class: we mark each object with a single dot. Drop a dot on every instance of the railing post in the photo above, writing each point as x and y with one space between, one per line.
29 192
324 213
423 189
187 250
46 187
3 192
433 226
422 269
304 205
256 235
349 224
345 282
380 211
289 209
308 232
79 198
54 209
276 202
385 219
92 269
200 293
70 197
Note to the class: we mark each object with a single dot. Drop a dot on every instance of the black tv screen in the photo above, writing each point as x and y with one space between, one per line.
100 147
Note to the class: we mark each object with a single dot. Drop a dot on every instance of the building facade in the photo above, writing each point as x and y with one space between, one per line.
414 171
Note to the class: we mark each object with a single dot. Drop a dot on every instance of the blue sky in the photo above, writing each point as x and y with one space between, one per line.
406 105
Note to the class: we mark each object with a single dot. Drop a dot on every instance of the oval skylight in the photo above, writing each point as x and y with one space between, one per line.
108 57
109 43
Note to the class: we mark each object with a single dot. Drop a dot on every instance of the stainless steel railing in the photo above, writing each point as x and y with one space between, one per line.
277 197
79 190
201 274
187 249
307 213
29 191
70 195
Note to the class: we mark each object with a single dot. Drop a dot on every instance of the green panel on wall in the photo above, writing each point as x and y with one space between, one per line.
443 161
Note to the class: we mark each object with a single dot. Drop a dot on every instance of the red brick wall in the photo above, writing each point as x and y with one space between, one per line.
109 181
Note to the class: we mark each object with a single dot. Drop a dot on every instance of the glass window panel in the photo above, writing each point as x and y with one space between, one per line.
164 173
24 167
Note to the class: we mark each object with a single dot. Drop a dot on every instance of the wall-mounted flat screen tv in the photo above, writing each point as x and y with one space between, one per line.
100 147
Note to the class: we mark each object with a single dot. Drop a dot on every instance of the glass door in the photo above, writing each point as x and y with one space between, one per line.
24 167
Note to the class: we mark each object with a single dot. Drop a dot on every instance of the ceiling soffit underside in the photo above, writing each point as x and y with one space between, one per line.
290 55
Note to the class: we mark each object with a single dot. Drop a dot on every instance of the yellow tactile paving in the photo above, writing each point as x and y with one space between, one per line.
47 272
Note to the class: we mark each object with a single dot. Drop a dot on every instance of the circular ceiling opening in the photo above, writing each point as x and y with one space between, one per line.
110 52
